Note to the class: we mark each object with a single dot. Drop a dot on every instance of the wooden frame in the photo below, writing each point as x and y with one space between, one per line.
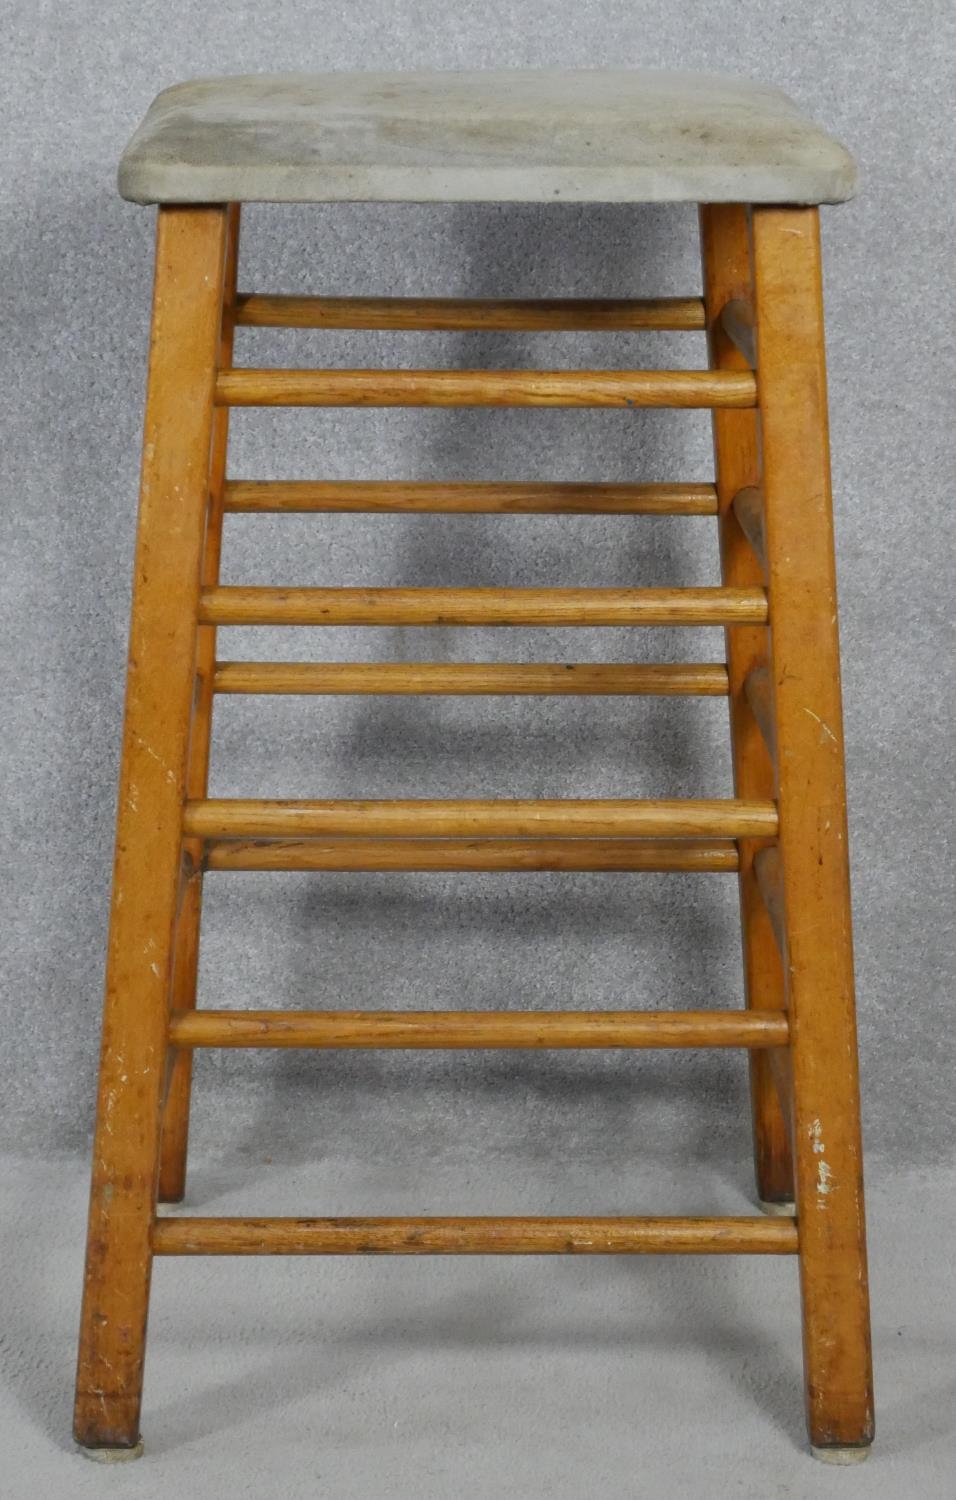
783 832
147 877
728 282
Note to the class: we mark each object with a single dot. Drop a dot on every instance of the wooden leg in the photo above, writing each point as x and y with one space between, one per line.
813 830
725 249
175 1131
187 305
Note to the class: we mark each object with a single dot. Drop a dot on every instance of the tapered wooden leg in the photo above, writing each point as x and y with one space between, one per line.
187 305
175 1132
725 249
813 828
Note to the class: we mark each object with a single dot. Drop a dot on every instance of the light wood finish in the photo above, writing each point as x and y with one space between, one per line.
784 832
706 679
458 498
468 1029
768 870
813 828
175 1129
237 818
725 246
623 388
485 606
758 690
477 1236
737 322
190 254
748 508
778 1061
448 313
472 854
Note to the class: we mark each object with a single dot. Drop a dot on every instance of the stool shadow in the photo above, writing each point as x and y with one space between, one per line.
707 1318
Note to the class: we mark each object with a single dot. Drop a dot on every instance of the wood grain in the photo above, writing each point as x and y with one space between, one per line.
426 855
472 678
725 245
444 388
467 1029
484 606
458 497
175 1129
460 314
813 827
476 1236
159 698
248 818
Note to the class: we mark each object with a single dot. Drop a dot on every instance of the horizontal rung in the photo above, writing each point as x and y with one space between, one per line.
627 388
458 314
469 678
473 1029
538 497
424 855
507 819
485 606
474 1236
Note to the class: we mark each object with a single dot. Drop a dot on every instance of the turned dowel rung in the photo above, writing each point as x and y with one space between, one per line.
472 855
475 1236
506 819
482 606
470 1029
444 388
471 678
426 314
537 497
737 318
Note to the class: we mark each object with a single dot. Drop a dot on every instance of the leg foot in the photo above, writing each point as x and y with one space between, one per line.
840 1455
112 1455
784 1208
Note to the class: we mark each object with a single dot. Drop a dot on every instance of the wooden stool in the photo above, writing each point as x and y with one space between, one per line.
759 170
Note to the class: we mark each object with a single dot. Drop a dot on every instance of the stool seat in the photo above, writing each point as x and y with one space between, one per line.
579 136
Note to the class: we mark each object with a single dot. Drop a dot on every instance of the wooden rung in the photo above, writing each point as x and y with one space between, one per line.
474 1236
758 691
462 855
769 876
506 819
484 606
748 508
472 1029
424 314
470 678
250 496
737 318
627 388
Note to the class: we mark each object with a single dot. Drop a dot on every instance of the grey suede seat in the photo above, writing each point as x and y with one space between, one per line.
514 136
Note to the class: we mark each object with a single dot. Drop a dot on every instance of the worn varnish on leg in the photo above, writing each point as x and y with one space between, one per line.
725 246
813 828
146 884
175 1135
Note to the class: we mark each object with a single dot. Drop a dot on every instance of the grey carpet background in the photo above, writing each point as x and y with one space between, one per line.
75 285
